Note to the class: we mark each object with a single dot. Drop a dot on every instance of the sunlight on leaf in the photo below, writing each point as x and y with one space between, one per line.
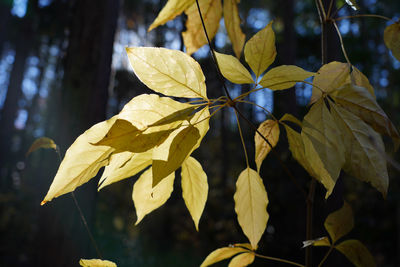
283 76
242 260
194 188
169 72
357 253
353 4
82 161
232 69
391 36
232 24
260 50
340 222
363 145
318 242
42 142
194 36
270 130
171 9
148 198
221 254
96 263
251 202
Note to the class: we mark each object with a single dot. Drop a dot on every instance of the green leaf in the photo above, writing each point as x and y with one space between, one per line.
194 188
232 69
42 142
232 24
171 9
147 197
124 165
284 77
96 263
169 72
221 254
170 155
391 36
251 202
363 149
82 161
242 260
357 253
270 130
323 147
260 50
360 102
340 222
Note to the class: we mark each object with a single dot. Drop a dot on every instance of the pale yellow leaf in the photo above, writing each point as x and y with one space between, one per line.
260 50
221 254
201 121
323 147
322 241
232 25
232 69
284 77
251 202
124 165
42 142
330 76
358 78
194 36
360 102
270 130
171 9
340 222
242 260
290 118
82 161
177 148
356 253
194 188
148 198
391 36
363 149
96 263
166 71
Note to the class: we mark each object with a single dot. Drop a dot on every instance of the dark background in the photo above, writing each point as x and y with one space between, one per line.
63 67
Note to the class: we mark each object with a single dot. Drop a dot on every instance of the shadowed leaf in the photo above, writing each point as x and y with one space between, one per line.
282 77
42 142
232 24
340 222
270 130
391 36
357 253
171 9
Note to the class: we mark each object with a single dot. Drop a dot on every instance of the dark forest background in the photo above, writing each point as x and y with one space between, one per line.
63 68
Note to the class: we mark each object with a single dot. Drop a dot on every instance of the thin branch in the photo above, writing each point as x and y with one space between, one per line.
259 106
363 15
326 256
278 259
242 139
341 42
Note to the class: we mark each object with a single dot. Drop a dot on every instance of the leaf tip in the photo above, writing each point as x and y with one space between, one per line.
43 202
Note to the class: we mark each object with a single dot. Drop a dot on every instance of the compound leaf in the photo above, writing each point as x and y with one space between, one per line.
221 254
171 9
270 130
232 69
232 24
357 253
340 222
169 72
148 198
260 50
284 77
251 202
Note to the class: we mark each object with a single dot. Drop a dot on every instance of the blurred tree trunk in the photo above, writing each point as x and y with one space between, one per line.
5 8
83 102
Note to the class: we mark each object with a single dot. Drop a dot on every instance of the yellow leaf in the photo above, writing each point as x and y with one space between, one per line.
260 50
323 147
42 142
169 156
201 121
179 115
270 130
363 149
391 36
221 254
360 102
284 77
194 36
358 78
82 161
290 118
167 71
356 253
340 222
242 260
329 77
232 25
171 9
96 263
251 202
194 188
124 165
243 245
318 242
232 69
148 198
